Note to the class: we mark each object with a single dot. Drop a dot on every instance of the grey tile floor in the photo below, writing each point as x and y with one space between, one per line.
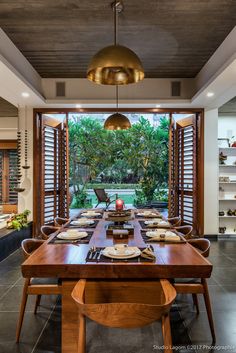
41 333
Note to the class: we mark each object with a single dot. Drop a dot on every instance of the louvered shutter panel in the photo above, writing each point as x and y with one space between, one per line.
51 199
1 177
184 171
172 167
12 179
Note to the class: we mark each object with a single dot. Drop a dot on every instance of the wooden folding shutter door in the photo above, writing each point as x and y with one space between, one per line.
51 166
185 174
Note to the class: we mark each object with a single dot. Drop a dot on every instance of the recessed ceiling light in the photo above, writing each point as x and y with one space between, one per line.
78 106
158 105
25 94
210 94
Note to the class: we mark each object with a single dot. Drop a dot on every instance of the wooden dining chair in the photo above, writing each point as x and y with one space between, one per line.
186 231
29 246
46 231
59 221
124 304
199 286
174 221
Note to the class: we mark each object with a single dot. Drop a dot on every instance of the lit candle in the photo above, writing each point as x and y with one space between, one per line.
119 205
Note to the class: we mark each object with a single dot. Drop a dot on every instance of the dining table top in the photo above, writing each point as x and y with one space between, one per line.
68 260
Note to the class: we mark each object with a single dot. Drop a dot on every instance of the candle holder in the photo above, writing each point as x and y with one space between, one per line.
119 205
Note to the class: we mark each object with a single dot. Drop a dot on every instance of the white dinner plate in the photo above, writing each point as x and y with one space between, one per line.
95 214
66 236
153 233
154 220
130 253
82 222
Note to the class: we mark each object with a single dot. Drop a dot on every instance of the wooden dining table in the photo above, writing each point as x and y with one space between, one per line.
68 262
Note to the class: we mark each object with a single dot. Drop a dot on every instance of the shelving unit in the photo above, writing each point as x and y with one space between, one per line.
227 191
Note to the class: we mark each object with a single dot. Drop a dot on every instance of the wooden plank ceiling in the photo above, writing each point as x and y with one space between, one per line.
173 38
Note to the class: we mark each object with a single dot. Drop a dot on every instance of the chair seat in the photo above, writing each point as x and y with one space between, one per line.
45 281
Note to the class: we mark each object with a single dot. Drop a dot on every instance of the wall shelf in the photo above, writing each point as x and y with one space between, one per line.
227 165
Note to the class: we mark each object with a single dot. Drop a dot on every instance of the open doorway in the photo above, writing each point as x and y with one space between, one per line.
176 165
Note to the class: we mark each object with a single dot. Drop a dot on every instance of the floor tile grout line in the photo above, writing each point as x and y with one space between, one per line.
8 290
9 256
44 326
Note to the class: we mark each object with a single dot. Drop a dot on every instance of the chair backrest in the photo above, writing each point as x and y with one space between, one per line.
201 244
58 221
175 221
30 245
185 230
101 195
124 303
47 231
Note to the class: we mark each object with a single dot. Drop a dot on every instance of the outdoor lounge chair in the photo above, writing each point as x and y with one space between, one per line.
102 196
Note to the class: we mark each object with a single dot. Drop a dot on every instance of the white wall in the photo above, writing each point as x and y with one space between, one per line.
147 89
8 128
227 125
211 163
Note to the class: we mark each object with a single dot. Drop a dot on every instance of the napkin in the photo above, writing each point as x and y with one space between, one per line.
165 236
148 253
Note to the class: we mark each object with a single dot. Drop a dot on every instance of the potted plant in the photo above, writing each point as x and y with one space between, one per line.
18 221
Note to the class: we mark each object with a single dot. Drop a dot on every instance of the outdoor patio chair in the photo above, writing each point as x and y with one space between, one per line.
102 196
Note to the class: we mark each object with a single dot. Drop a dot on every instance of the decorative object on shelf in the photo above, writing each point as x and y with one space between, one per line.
222 158
224 179
223 142
115 64
26 166
18 221
222 230
117 121
221 213
230 212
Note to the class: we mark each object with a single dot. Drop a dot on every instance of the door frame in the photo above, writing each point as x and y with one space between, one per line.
200 111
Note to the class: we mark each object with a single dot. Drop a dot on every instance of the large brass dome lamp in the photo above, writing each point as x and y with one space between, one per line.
115 64
117 121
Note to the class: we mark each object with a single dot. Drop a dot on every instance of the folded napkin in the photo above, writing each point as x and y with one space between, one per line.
163 236
148 253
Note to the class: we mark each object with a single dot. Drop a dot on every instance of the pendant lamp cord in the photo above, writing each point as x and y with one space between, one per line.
115 21
117 98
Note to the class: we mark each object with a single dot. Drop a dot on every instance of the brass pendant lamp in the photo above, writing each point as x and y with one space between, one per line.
117 121
115 64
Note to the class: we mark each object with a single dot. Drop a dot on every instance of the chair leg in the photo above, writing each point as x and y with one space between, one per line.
166 331
22 308
208 308
195 301
37 303
82 334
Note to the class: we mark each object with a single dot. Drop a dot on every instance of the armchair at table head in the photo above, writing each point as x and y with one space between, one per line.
124 304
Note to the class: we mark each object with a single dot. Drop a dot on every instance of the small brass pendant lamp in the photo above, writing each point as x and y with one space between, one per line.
117 121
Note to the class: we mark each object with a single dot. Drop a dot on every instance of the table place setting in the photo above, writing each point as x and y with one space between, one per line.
91 214
83 222
149 214
162 235
72 236
121 253
155 223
